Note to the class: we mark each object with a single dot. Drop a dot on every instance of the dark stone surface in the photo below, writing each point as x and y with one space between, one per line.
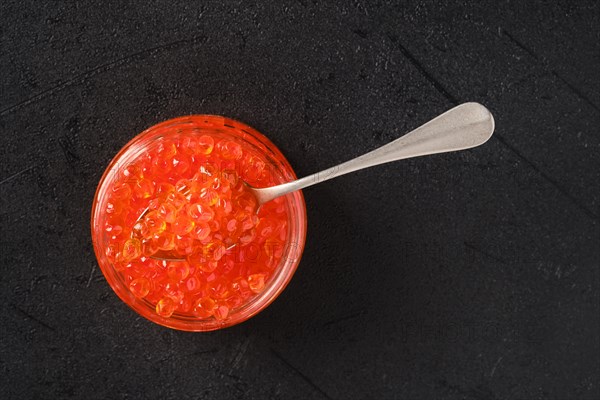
472 275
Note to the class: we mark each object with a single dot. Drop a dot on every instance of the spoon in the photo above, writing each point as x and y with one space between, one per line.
463 127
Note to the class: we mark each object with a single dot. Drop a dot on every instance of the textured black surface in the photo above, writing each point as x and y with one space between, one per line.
472 275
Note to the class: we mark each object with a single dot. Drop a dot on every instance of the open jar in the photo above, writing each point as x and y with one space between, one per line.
178 237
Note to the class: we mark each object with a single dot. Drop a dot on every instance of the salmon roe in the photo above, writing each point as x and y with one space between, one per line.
179 235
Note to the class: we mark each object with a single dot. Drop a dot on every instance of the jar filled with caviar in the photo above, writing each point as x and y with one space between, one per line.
179 237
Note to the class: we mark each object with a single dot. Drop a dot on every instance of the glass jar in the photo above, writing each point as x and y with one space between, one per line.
251 141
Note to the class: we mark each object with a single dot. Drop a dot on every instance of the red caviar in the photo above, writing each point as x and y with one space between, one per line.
178 234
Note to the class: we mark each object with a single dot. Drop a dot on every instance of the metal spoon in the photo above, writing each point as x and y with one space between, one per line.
463 127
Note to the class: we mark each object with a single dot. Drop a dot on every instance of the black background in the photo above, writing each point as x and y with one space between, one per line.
471 275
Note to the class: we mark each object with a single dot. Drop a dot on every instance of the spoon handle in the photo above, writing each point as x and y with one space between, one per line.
463 127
